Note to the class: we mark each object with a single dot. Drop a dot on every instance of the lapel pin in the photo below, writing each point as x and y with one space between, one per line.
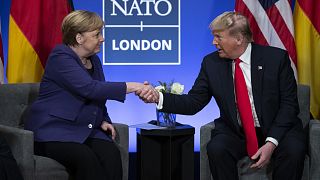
259 67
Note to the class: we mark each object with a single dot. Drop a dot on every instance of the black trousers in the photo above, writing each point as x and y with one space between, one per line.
226 148
8 166
95 159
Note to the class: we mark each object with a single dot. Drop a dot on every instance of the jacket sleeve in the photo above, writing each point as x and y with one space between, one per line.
196 99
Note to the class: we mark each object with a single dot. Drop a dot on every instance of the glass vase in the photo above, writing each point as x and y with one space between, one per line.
166 119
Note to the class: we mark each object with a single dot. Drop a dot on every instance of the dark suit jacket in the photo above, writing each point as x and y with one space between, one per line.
71 100
274 92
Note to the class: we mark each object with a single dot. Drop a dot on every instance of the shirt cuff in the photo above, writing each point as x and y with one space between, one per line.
160 103
273 140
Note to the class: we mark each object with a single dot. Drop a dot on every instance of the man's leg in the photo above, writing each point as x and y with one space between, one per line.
289 157
224 151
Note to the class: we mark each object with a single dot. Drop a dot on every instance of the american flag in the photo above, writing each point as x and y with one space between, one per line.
271 22
1 57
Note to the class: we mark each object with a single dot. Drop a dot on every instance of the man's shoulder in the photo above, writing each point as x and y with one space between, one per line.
212 55
214 58
269 55
267 49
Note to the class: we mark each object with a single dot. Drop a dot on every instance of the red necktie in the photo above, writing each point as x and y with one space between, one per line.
245 111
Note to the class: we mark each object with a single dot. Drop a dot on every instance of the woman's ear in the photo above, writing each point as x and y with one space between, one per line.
79 38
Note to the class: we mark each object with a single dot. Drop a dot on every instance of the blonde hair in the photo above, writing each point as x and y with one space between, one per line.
234 22
79 21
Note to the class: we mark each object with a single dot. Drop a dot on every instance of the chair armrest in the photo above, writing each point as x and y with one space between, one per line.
314 148
205 136
21 143
122 140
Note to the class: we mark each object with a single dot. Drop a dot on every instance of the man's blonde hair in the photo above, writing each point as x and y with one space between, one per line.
233 22
79 21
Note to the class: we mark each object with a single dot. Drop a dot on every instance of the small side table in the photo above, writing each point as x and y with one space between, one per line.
165 154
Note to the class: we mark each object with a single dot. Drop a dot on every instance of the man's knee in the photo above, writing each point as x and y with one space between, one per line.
215 149
295 151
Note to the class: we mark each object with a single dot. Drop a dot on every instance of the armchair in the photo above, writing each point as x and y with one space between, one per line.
14 101
312 160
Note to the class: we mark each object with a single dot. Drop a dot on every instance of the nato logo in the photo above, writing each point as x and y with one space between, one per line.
141 32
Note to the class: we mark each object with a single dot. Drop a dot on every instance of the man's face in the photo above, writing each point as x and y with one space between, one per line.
225 43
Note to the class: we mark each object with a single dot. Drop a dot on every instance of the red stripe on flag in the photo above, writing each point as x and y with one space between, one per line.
283 31
258 37
40 22
311 8
276 20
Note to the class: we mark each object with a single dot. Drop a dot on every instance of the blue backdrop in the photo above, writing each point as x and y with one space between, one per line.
196 42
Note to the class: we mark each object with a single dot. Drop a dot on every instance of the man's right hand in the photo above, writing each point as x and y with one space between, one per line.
263 155
148 93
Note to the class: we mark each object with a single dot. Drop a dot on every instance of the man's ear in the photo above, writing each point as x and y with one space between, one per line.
240 39
79 38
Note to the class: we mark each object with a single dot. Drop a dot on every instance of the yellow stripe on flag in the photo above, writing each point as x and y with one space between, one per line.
308 54
24 64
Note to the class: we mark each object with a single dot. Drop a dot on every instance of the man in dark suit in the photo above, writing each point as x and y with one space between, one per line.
272 90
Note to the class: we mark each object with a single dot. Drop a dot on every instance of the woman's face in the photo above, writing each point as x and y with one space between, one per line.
91 41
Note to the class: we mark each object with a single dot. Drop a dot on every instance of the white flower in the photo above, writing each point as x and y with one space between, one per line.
177 88
160 88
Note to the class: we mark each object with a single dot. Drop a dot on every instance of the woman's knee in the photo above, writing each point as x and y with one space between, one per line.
85 157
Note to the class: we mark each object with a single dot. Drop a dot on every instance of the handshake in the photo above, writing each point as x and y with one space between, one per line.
145 91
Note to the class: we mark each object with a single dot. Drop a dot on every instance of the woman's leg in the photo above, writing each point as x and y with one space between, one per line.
109 157
78 158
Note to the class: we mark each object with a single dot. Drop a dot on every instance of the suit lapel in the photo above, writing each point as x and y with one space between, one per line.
228 90
257 70
97 72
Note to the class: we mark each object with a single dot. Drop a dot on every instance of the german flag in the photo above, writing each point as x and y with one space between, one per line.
34 29
307 38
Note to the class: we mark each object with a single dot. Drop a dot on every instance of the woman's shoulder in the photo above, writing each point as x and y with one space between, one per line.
62 48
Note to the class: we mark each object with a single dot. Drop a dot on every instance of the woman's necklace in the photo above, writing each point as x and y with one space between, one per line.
85 61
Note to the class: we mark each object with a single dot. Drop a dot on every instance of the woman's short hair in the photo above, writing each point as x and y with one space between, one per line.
234 22
79 21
